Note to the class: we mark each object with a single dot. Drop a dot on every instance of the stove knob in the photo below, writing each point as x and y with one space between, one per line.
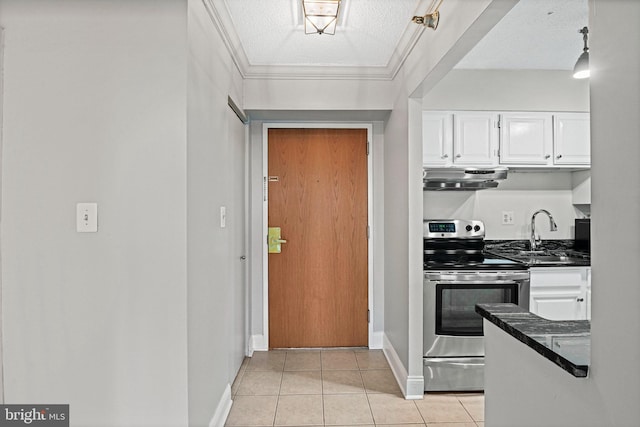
476 228
468 228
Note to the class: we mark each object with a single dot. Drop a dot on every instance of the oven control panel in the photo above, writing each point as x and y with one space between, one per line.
453 229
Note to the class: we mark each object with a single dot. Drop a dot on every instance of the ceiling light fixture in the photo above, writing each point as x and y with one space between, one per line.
430 19
581 70
320 16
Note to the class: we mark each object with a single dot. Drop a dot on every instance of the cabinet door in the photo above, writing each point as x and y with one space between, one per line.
437 139
559 293
526 139
475 139
572 139
559 305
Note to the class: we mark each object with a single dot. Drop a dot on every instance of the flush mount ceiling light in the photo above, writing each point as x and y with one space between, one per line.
431 18
320 16
581 70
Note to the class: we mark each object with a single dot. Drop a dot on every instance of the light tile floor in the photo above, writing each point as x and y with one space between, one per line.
338 388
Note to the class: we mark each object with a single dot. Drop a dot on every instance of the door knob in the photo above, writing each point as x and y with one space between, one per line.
559 156
444 156
547 156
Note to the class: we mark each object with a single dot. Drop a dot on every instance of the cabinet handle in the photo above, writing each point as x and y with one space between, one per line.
458 156
547 156
580 299
559 156
444 156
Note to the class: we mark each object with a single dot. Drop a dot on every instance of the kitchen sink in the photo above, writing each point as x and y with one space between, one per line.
545 257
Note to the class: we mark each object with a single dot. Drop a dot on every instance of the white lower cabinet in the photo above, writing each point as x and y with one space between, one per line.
560 293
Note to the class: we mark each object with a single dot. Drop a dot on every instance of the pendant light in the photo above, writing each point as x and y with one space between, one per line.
320 16
581 70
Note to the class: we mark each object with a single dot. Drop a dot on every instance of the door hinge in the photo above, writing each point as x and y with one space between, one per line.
264 189
368 316
368 232
367 148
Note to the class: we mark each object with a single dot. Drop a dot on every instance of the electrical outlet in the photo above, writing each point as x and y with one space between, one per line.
507 217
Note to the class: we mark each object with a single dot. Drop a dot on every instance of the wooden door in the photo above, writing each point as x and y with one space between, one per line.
318 284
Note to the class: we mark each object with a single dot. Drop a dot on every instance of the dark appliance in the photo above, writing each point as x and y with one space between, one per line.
582 241
457 276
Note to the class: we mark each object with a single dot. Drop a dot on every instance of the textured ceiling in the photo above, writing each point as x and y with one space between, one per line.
368 32
535 34
372 34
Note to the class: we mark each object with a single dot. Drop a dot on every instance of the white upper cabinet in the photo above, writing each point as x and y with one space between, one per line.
572 139
475 138
437 139
526 139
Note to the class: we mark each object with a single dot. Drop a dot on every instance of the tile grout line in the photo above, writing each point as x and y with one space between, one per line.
324 421
275 414
467 411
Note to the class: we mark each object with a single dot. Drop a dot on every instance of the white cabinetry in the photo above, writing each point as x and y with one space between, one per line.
526 138
572 139
460 138
545 139
560 293
437 139
475 138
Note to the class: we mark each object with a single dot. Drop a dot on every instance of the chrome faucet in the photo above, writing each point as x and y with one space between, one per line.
552 225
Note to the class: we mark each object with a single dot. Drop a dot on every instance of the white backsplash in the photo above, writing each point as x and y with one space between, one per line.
522 193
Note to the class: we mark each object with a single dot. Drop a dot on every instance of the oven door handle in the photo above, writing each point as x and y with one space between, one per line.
476 282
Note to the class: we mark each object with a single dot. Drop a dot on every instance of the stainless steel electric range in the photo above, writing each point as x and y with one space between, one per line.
457 276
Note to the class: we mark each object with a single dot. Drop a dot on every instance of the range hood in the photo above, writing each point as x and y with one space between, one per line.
461 179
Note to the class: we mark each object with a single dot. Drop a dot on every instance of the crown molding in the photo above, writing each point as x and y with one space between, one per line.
221 19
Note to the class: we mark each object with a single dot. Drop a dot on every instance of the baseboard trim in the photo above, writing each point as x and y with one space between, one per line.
223 409
395 363
415 387
257 343
376 340
412 387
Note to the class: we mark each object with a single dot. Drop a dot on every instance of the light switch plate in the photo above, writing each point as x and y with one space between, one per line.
87 217
223 216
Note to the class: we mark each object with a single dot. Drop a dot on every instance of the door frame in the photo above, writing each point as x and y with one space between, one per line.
265 216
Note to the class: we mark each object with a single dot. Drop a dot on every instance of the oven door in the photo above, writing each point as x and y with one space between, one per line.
452 328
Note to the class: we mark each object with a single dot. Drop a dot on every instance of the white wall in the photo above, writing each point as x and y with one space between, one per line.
610 396
615 132
215 158
508 90
317 94
125 104
522 193
94 111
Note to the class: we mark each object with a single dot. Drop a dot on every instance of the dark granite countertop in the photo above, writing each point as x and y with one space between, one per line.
512 249
566 343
